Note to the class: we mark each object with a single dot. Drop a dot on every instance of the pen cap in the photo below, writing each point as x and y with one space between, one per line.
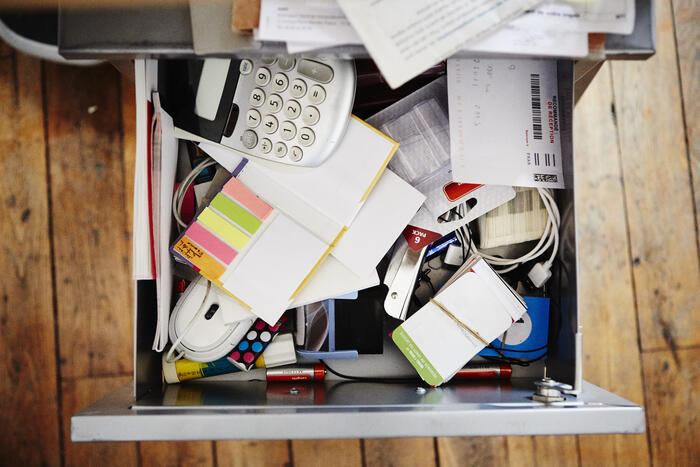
280 352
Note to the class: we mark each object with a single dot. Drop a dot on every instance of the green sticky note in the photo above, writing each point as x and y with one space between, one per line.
236 213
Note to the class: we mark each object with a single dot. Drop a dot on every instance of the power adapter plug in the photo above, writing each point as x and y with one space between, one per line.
539 274
453 255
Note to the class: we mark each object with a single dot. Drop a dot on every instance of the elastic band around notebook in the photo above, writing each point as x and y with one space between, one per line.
461 324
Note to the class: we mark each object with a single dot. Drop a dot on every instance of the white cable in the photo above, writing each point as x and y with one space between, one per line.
202 307
549 239
179 194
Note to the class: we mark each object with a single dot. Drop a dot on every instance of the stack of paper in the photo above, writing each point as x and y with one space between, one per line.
406 38
472 309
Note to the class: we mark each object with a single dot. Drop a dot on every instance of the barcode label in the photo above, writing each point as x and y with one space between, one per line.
550 160
548 178
536 106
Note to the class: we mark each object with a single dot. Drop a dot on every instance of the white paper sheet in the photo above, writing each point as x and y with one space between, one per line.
165 167
504 122
332 279
304 21
614 16
311 25
390 206
270 272
406 38
142 236
514 39
337 188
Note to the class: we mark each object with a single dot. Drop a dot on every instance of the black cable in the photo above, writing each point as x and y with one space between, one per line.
514 361
370 379
520 351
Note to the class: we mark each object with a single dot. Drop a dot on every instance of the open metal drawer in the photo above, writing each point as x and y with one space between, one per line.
151 410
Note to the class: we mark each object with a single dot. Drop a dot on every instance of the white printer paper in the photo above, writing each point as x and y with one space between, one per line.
614 16
305 21
406 38
504 122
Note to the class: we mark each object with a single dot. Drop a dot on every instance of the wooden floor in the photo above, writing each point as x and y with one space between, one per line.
66 170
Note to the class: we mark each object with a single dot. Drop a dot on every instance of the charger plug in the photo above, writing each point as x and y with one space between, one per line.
539 274
453 256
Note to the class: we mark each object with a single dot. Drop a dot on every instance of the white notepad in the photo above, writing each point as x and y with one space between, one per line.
473 307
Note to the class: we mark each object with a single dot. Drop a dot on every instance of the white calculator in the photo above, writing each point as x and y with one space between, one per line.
293 110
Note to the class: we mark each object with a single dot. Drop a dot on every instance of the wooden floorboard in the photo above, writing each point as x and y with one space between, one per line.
673 405
658 193
29 432
686 16
607 306
638 192
90 229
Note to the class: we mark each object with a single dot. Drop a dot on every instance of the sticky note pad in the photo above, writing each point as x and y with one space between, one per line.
195 255
223 228
235 213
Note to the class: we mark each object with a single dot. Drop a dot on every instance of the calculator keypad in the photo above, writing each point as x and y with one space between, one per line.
283 105
262 76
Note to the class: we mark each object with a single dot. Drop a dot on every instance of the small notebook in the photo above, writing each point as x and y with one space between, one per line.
256 253
472 309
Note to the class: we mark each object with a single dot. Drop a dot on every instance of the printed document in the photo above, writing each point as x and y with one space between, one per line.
613 16
406 38
505 122
305 21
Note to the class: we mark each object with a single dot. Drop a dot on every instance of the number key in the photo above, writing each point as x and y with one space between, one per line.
257 97
274 103
262 76
280 82
288 130
270 124
292 109
306 136
252 118
298 88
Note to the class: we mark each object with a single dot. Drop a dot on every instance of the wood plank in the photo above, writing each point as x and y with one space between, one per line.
398 452
78 394
658 194
672 405
559 451
325 452
253 453
686 14
128 113
90 232
521 451
473 451
606 295
542 451
28 391
180 454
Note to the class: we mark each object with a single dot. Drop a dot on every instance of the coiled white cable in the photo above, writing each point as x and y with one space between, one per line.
179 194
549 238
